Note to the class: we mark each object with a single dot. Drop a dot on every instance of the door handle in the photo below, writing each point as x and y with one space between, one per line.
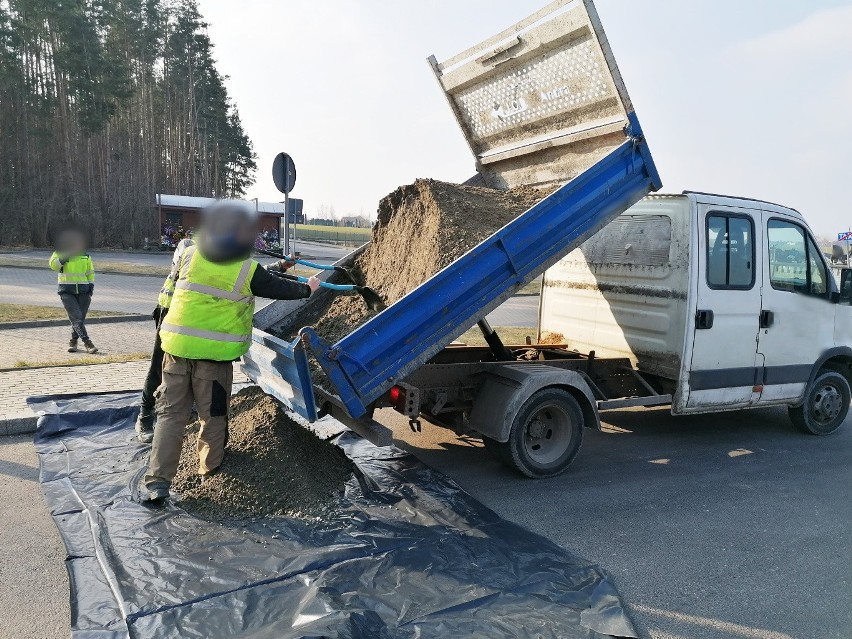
766 319
703 319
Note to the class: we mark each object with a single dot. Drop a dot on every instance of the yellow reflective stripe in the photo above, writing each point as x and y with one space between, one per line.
197 332
242 277
185 257
214 292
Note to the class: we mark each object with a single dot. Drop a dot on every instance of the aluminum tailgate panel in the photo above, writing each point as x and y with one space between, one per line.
541 101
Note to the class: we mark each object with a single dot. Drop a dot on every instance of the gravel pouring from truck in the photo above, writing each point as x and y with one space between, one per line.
540 104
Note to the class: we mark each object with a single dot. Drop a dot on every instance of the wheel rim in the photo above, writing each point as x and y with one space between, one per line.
827 404
547 434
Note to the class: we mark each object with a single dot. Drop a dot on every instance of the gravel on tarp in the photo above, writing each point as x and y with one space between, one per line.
272 467
420 229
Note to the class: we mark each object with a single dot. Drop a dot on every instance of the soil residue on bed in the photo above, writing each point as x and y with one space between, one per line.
421 228
272 467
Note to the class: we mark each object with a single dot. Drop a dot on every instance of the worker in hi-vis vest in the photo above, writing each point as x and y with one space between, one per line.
76 283
208 326
145 420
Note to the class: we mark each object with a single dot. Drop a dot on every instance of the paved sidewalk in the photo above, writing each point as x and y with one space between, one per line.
33 583
50 343
15 415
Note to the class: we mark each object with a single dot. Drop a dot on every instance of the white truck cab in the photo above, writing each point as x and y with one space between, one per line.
723 302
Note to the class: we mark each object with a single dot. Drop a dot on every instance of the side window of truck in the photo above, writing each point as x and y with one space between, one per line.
794 261
816 268
730 251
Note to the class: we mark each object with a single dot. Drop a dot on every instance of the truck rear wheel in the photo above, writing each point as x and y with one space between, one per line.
546 434
825 407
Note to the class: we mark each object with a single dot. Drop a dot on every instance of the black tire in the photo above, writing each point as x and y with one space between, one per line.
825 407
546 434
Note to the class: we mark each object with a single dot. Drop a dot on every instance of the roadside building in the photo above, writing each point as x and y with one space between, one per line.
177 216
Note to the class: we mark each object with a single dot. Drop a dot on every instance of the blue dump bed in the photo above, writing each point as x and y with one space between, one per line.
540 104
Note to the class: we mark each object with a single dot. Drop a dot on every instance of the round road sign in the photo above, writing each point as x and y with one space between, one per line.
284 173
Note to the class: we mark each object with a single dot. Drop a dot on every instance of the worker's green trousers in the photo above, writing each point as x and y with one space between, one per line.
208 385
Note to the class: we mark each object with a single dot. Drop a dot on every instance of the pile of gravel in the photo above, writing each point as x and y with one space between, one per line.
421 228
272 467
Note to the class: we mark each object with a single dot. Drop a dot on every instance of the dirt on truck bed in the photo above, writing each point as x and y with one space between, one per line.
421 228
272 467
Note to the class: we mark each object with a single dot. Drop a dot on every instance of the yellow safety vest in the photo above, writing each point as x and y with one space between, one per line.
210 315
77 270
167 290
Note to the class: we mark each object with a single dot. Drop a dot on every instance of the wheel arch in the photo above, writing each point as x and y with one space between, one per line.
506 389
838 359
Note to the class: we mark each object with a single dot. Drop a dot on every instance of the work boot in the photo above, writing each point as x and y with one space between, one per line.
72 345
145 428
158 491
91 349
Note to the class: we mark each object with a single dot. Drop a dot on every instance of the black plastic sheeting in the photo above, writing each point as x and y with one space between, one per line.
411 555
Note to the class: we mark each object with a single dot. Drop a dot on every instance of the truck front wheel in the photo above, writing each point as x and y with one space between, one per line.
546 434
825 407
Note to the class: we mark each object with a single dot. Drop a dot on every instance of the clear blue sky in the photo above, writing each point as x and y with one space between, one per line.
747 97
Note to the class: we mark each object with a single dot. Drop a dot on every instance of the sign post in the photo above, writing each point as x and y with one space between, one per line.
284 176
845 236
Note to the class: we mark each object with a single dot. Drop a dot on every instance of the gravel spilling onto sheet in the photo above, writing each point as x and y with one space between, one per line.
272 467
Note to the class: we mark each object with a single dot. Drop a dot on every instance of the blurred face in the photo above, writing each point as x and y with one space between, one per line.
246 232
230 224
228 232
71 243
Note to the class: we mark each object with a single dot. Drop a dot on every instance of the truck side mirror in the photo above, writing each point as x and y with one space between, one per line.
845 294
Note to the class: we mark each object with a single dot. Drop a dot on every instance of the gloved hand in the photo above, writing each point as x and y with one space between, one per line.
63 259
313 283
287 263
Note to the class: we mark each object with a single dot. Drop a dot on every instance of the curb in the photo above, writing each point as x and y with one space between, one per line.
19 424
22 369
135 317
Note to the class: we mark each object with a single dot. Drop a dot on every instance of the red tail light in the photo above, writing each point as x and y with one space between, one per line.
395 394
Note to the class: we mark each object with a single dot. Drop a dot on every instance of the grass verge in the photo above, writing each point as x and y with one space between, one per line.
511 335
29 312
332 233
531 288
101 266
85 359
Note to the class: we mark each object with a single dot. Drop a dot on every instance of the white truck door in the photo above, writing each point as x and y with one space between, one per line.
797 317
724 366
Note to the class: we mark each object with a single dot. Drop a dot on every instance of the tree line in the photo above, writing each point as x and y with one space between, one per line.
104 103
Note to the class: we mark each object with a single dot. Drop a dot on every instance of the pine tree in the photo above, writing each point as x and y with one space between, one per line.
104 103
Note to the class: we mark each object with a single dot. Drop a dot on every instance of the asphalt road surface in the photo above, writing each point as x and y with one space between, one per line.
725 526
138 294
310 250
